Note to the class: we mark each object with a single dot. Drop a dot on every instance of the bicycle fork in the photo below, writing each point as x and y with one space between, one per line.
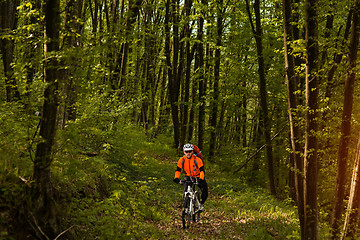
197 200
188 206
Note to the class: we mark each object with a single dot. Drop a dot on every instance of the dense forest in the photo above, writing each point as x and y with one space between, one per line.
98 97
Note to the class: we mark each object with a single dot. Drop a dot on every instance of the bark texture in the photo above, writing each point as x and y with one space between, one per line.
311 141
45 211
346 124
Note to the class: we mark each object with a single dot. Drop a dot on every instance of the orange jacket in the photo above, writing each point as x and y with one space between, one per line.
193 167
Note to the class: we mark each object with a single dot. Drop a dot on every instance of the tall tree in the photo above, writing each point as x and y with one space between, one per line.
149 79
186 83
215 99
351 222
201 76
44 204
346 123
72 41
257 31
8 22
291 83
134 8
311 140
173 93
338 57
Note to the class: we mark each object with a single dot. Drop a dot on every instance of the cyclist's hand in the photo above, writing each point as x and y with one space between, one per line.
176 180
201 181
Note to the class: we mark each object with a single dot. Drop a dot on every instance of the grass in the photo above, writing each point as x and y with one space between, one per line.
144 203
124 190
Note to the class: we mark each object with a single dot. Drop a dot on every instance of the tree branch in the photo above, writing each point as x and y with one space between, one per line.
257 151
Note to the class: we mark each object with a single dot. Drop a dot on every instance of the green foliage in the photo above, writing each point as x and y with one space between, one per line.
110 179
126 192
112 182
16 139
16 133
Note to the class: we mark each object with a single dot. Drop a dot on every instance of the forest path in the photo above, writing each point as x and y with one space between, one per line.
232 210
218 221
215 223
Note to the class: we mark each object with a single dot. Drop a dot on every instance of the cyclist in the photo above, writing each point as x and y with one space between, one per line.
193 167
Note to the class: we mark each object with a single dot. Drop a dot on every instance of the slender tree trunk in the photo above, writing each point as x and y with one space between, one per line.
263 92
44 206
295 137
149 82
130 20
173 86
346 124
214 110
189 57
194 99
114 14
163 112
350 227
94 16
337 60
180 74
311 141
73 12
200 55
29 53
244 115
8 22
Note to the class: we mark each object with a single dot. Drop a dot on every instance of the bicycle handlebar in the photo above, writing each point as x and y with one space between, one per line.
182 182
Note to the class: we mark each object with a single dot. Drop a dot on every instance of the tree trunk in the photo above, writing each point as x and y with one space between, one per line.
337 59
311 141
94 16
193 98
163 112
8 22
244 115
352 214
30 54
186 86
263 92
149 82
200 55
73 12
44 206
214 108
173 92
130 20
115 14
346 124
295 137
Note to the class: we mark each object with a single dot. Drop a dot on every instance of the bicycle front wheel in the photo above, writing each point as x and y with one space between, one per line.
186 215
196 215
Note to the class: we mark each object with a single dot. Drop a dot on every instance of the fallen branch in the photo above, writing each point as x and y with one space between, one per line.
39 228
257 151
63 232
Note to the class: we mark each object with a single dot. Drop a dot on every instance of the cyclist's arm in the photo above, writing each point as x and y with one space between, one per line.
178 169
202 173
202 170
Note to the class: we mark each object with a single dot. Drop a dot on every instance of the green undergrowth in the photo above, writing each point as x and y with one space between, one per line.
123 189
117 184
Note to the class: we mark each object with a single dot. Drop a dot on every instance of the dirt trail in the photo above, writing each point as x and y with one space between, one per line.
214 224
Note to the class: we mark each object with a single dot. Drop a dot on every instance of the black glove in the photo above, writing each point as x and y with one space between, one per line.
176 180
201 181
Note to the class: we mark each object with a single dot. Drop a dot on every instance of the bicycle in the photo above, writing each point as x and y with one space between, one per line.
192 206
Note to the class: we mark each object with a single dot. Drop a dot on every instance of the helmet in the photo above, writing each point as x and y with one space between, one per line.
188 147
